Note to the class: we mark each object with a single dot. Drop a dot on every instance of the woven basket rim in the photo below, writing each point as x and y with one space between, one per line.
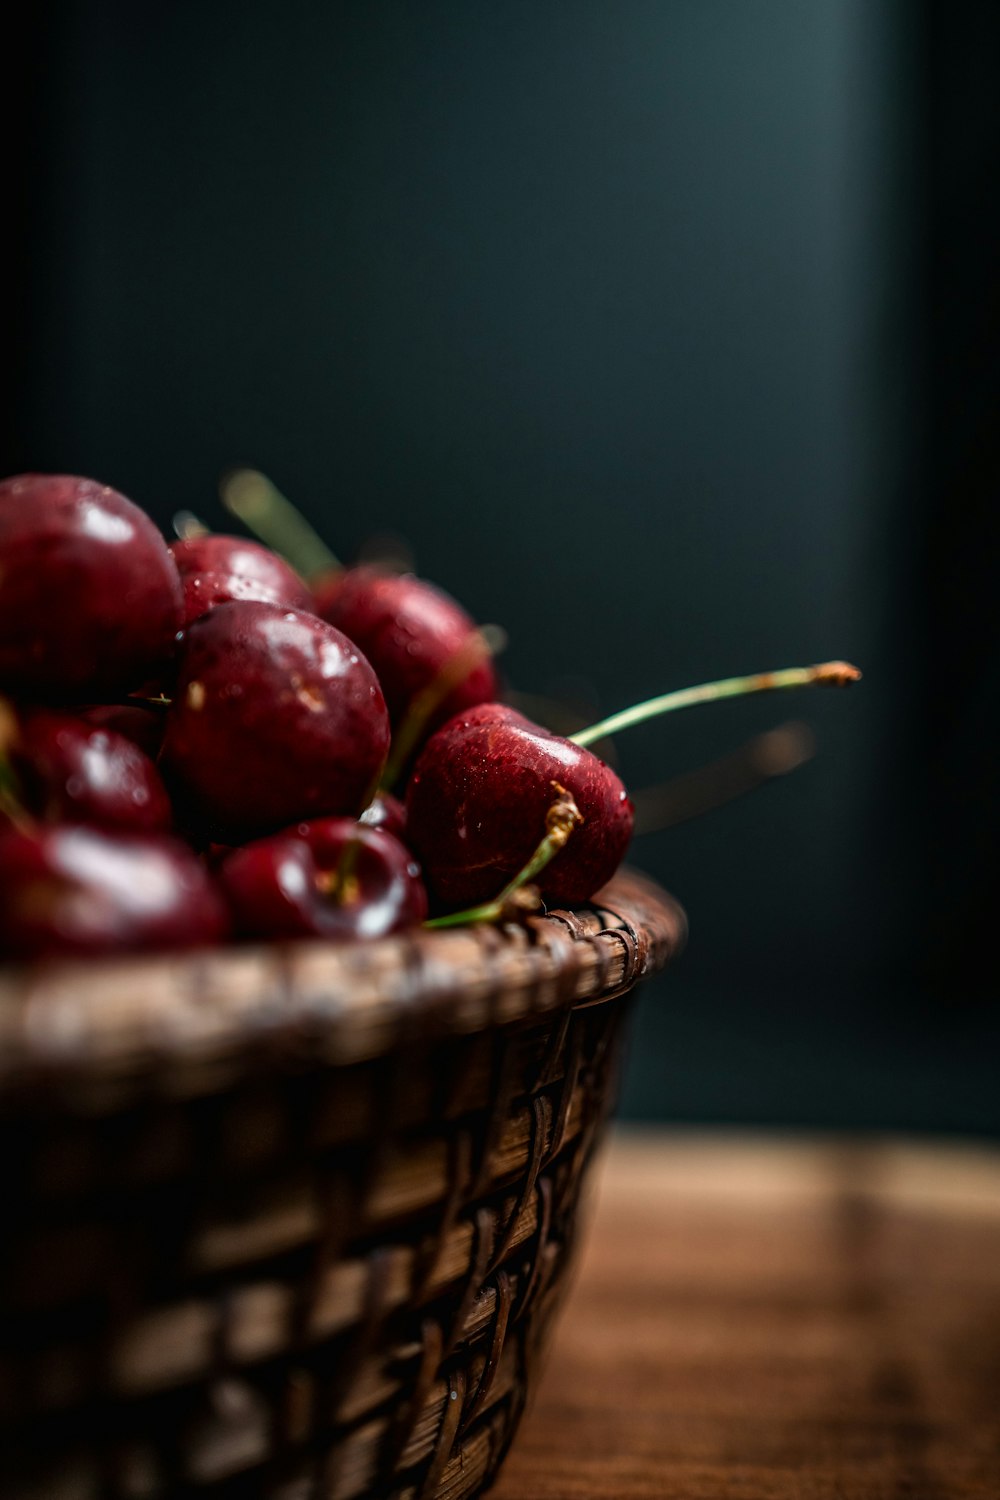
176 1017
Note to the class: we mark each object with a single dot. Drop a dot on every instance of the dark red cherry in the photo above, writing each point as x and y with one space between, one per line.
69 771
72 891
215 569
143 726
386 812
477 801
205 591
90 600
410 632
332 878
276 717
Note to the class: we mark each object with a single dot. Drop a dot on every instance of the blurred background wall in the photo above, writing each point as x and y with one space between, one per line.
660 330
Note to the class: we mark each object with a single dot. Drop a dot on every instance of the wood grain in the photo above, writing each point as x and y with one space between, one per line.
763 1319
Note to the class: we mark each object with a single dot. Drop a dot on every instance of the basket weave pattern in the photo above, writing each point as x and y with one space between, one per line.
293 1222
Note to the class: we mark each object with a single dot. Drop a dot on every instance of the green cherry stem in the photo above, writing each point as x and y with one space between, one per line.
253 499
160 702
187 526
826 674
487 641
481 644
560 820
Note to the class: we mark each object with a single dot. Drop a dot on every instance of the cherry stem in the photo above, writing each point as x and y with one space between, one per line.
187 526
826 674
483 643
11 800
161 702
253 499
341 885
560 820
342 880
694 793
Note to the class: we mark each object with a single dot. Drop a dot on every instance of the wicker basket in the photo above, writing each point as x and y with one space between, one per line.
292 1222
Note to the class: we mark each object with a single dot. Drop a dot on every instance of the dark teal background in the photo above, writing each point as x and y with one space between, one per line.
623 315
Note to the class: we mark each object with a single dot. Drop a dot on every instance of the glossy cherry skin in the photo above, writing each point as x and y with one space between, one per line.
90 599
410 631
286 886
477 802
386 812
276 717
143 726
70 891
215 569
70 771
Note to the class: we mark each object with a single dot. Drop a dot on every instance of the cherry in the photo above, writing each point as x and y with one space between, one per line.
276 716
430 659
332 878
91 600
480 795
70 891
477 804
413 634
386 812
143 726
205 591
215 569
70 771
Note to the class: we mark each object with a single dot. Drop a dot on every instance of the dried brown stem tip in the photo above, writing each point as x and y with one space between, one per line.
836 674
562 817
526 901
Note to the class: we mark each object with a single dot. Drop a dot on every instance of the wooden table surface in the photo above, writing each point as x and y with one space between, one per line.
762 1318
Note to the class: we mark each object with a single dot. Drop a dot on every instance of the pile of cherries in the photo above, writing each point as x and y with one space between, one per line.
194 741
197 744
